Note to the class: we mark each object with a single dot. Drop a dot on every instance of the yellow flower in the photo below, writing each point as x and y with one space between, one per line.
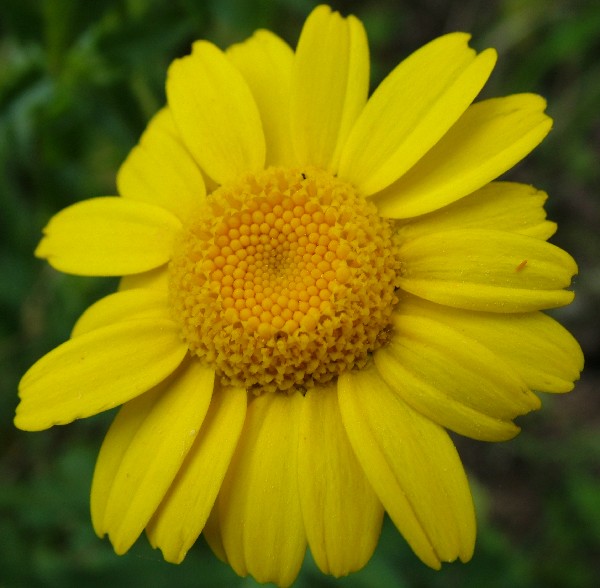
315 286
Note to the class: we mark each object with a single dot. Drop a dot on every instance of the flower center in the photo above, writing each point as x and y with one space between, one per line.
285 280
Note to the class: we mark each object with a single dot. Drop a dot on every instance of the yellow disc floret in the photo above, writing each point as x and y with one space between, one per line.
285 280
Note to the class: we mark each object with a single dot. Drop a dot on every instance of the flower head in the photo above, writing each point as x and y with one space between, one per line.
316 285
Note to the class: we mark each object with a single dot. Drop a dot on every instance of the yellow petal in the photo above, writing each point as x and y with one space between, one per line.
161 171
413 467
154 454
98 371
490 137
259 506
266 63
186 507
108 237
330 83
156 279
487 270
212 534
215 113
536 347
121 433
342 514
123 306
503 206
412 109
453 379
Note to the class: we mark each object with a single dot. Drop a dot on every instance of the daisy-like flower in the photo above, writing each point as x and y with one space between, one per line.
316 285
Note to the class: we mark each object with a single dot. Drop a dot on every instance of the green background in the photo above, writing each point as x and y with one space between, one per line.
78 82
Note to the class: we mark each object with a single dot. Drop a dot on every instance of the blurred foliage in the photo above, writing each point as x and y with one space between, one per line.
78 82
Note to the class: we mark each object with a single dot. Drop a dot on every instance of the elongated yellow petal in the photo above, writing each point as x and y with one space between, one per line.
330 84
266 62
342 514
215 113
259 506
121 433
453 379
212 534
538 348
98 371
412 109
161 171
487 270
121 306
413 467
490 137
156 279
154 455
503 206
108 236
185 509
